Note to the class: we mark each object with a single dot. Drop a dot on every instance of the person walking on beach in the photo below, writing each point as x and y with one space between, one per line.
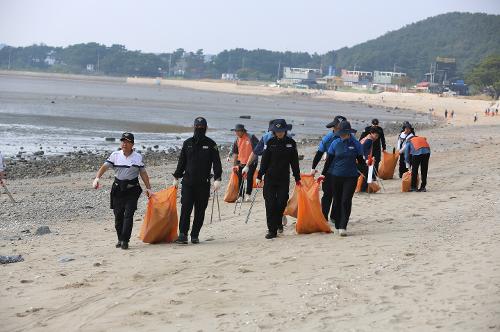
279 156
3 176
367 142
417 155
379 144
446 114
452 114
345 154
125 191
475 117
327 202
199 155
242 149
406 133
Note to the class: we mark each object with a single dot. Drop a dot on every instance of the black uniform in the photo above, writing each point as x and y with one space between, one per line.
199 155
376 151
279 156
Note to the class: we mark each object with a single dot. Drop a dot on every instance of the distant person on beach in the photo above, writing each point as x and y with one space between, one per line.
378 144
327 203
126 190
241 151
345 155
417 156
199 155
475 117
452 114
446 114
279 156
2 170
406 133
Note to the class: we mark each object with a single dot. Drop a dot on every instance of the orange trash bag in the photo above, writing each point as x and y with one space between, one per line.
233 188
372 187
161 223
359 185
293 204
406 182
310 218
388 165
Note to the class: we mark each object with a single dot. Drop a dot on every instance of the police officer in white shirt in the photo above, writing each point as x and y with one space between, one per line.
126 190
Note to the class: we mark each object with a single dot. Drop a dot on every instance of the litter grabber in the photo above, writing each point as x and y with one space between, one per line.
7 192
215 197
379 180
240 198
251 205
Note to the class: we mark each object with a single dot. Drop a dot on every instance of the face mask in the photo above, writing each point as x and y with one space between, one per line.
199 133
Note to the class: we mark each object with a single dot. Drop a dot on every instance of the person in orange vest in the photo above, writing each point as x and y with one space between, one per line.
417 154
242 149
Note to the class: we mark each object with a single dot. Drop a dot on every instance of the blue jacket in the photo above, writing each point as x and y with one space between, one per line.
410 150
344 154
326 141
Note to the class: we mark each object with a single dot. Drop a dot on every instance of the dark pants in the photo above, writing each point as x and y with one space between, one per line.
402 165
416 162
193 196
276 198
124 206
327 201
377 155
249 185
343 191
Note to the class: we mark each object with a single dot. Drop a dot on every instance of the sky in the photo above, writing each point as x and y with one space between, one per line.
214 25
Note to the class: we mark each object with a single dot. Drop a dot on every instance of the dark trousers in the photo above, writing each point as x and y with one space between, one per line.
343 191
276 198
421 161
327 201
124 206
402 165
249 183
377 155
193 196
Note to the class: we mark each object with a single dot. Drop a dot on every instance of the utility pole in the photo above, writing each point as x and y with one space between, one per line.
10 51
169 64
279 69
98 61
394 70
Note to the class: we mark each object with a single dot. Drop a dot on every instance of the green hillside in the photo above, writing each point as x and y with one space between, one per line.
467 37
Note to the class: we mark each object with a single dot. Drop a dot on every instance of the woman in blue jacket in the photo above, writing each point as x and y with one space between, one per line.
345 160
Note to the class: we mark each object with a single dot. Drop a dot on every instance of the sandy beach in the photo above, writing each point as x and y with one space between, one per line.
412 261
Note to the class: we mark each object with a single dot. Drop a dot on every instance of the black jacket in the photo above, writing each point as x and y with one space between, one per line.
376 145
279 156
196 162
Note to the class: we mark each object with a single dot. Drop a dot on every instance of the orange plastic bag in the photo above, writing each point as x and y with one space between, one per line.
233 188
293 204
359 185
161 223
387 165
406 182
372 187
310 218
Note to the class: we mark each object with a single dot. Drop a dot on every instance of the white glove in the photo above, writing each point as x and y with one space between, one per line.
258 181
175 183
313 171
149 193
95 184
245 170
408 165
216 185
325 155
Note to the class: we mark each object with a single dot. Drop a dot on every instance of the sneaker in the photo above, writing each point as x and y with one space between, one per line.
195 240
118 244
124 245
422 190
280 229
342 232
271 235
412 190
182 239
247 199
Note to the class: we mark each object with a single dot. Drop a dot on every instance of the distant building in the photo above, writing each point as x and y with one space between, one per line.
301 73
90 67
356 76
229 77
386 77
50 60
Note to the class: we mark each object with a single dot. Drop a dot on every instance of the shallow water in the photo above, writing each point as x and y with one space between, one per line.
64 115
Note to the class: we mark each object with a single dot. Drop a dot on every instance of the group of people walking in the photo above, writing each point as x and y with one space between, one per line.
199 162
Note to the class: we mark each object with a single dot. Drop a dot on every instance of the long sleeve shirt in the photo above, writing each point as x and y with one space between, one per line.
323 146
411 151
279 156
342 158
197 160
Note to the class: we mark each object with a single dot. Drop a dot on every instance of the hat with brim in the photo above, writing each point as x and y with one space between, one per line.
280 125
239 127
129 137
289 125
345 128
338 119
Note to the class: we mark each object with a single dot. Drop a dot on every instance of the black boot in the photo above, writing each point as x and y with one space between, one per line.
195 240
124 245
271 235
118 244
182 239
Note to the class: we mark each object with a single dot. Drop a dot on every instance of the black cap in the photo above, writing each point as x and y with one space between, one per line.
345 128
338 119
127 137
239 127
375 122
200 122
280 125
